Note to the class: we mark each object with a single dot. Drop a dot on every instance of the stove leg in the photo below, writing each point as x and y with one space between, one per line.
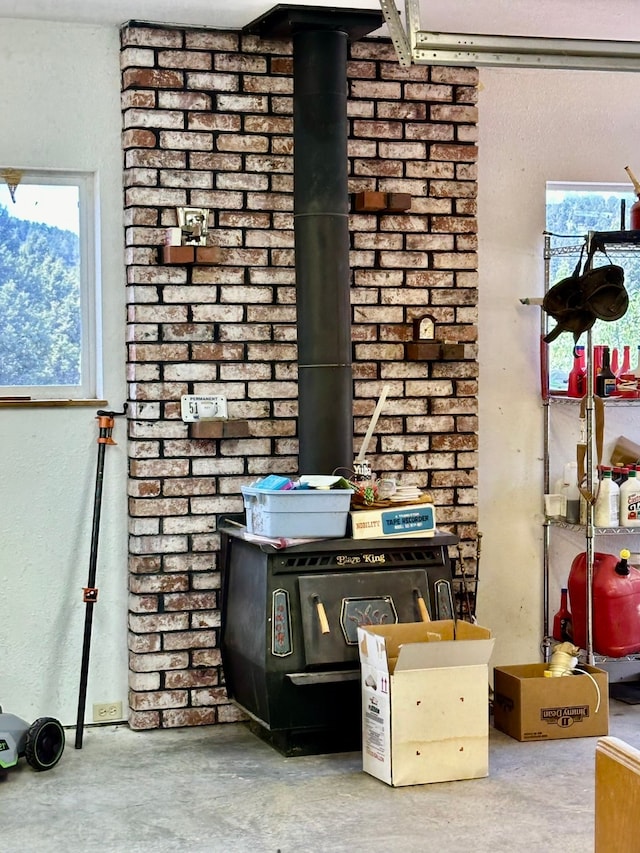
293 743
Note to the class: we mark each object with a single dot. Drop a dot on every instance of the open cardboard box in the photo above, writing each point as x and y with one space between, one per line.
528 706
425 702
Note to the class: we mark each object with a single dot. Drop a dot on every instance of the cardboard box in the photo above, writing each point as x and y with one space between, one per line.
403 520
529 706
425 701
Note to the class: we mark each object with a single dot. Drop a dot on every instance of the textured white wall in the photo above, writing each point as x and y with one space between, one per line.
535 126
60 108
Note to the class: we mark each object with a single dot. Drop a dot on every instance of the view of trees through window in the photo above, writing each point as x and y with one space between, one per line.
40 287
41 316
571 213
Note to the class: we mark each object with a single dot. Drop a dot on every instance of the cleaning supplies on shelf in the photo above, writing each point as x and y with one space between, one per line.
618 378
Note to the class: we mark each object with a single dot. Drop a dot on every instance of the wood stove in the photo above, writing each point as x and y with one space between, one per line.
289 627
289 618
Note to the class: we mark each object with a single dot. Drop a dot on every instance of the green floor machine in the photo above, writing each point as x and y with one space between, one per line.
41 742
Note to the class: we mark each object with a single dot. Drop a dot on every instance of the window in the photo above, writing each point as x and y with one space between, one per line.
48 286
572 211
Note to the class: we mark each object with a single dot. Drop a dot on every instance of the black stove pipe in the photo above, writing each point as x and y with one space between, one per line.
325 387
320 37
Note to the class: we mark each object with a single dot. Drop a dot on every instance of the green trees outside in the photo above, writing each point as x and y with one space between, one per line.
40 291
569 221
40 315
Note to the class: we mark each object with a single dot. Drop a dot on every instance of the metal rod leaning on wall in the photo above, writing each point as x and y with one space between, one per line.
544 391
589 412
90 593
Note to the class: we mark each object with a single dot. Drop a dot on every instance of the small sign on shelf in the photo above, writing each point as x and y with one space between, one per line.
202 407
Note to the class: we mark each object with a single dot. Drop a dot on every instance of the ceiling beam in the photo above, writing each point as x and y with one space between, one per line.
421 47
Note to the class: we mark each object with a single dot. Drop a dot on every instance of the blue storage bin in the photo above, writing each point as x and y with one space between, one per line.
297 514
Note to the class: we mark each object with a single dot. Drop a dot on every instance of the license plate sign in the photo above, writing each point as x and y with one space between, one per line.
198 407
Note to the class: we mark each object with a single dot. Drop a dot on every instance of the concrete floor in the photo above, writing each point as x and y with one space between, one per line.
221 789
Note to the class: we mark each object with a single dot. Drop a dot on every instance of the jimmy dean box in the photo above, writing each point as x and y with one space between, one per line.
406 520
529 706
425 701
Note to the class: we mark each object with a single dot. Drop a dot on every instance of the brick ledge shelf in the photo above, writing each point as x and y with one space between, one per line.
183 255
219 429
436 351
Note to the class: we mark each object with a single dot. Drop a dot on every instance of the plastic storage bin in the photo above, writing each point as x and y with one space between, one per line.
303 513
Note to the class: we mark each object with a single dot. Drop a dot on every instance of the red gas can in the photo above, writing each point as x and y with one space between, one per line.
616 604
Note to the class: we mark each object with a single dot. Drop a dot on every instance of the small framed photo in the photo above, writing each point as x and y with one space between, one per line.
194 223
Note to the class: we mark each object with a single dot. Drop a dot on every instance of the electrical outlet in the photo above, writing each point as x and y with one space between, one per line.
107 712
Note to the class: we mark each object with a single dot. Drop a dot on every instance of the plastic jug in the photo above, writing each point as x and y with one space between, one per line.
616 604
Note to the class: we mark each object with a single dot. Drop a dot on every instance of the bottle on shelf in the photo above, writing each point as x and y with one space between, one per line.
597 356
634 212
562 619
634 373
626 385
619 474
605 378
630 501
577 384
569 488
625 367
607 506
615 365
597 362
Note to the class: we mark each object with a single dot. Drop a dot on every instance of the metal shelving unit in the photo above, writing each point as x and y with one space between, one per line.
620 243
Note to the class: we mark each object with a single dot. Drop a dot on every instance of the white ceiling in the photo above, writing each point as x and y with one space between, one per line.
600 19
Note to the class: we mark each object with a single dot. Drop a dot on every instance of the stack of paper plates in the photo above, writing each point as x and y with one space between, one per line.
405 494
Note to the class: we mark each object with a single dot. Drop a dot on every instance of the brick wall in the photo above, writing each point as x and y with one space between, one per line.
207 122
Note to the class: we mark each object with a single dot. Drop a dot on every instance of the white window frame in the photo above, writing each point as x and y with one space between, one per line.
90 386
618 188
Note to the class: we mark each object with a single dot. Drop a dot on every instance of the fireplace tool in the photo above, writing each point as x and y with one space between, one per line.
90 593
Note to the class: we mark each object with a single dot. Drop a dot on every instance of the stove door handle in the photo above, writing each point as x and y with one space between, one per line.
422 606
322 615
